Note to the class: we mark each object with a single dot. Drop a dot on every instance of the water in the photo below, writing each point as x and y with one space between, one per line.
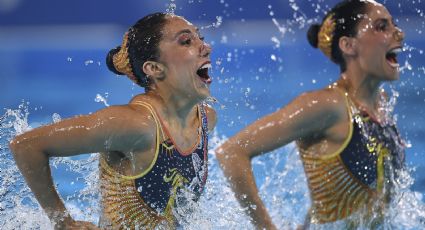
253 76
280 177
283 183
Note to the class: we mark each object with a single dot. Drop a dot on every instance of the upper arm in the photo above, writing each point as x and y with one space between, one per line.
309 114
112 129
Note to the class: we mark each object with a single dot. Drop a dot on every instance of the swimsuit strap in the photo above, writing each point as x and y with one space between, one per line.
350 131
350 105
157 119
204 118
111 171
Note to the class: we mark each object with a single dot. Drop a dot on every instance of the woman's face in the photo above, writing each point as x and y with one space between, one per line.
379 41
186 58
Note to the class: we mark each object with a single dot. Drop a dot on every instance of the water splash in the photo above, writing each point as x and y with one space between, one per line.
102 99
279 174
18 206
171 7
88 62
56 118
213 100
216 24
276 42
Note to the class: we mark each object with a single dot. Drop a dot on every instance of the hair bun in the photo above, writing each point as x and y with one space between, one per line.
312 35
110 60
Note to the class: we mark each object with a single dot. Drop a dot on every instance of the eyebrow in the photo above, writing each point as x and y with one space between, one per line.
381 20
387 20
185 31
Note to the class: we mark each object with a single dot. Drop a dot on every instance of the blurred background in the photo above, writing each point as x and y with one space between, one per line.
52 57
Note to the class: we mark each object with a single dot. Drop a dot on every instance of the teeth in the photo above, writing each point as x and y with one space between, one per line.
394 65
206 66
396 50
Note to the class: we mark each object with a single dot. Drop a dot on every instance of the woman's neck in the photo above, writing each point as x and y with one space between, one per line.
363 90
174 108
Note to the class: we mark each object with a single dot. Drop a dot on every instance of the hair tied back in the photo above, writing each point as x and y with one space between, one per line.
325 35
118 60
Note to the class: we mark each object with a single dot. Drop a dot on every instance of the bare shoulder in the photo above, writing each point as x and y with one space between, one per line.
211 116
139 98
318 110
129 118
129 127
324 101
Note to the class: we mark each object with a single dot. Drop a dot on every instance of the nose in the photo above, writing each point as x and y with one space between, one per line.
398 35
205 49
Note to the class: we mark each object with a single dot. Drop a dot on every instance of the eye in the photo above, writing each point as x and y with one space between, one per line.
185 40
382 26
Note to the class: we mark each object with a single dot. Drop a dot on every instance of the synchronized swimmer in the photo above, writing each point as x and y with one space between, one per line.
152 149
348 145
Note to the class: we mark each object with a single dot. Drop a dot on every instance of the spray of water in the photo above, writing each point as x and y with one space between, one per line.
102 99
171 7
18 207
279 174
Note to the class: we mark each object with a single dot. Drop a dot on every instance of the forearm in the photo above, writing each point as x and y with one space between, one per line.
239 172
34 166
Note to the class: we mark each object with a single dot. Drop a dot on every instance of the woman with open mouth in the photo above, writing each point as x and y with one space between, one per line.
348 141
153 150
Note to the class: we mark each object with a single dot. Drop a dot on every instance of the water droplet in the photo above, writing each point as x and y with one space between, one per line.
88 62
100 98
56 118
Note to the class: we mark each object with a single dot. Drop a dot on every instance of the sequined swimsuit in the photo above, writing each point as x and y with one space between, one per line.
146 200
351 178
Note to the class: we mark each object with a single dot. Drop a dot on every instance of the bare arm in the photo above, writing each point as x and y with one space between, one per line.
111 129
308 114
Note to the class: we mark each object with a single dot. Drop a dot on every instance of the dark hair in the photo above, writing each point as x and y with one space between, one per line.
346 15
142 41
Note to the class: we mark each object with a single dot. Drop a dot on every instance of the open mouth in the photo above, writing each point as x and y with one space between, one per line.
203 73
391 57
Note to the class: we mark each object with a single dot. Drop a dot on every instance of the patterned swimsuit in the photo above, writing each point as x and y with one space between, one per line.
351 178
173 179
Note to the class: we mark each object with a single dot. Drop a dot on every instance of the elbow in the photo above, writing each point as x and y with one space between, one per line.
28 156
15 146
20 148
17 149
230 154
223 156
